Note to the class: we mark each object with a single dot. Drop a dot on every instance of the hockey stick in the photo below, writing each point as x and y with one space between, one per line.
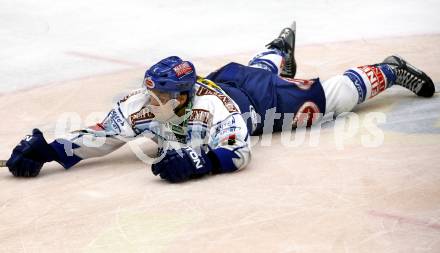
3 163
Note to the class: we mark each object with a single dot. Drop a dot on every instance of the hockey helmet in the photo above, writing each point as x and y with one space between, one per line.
171 74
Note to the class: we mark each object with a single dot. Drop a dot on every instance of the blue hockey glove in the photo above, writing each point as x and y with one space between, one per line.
29 155
175 167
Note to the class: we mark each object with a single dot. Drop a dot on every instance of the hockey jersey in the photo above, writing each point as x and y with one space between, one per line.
269 102
212 122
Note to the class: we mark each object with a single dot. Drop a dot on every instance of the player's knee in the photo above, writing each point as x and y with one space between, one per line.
341 95
359 80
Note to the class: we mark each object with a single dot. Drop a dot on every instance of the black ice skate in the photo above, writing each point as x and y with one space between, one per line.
411 77
286 43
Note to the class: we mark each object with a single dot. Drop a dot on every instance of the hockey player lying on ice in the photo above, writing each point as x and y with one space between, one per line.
213 117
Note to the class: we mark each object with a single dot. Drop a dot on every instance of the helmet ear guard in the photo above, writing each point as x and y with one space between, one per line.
171 74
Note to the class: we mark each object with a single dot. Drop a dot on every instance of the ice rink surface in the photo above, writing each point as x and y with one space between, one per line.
79 57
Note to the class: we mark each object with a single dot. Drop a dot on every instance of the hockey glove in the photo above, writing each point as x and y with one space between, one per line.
181 165
29 155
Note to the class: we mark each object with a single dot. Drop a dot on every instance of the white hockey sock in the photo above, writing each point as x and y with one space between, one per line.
270 60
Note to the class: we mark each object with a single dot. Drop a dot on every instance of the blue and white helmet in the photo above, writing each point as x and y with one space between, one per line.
171 74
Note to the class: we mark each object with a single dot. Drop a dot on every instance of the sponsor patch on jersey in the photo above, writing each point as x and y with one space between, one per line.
232 139
141 115
376 78
307 114
113 121
227 102
200 115
183 69
116 118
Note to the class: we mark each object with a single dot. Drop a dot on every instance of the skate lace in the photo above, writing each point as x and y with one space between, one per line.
408 80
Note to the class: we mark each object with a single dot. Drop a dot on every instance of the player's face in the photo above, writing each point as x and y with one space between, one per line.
159 97
163 104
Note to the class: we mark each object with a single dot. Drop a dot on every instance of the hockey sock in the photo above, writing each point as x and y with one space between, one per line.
270 60
371 80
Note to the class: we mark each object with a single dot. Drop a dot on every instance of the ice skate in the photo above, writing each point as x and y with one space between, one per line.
411 77
286 43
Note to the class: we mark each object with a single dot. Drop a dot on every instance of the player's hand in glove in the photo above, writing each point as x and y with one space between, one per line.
29 155
181 165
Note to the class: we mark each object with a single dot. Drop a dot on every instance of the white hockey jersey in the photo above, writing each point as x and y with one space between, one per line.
213 122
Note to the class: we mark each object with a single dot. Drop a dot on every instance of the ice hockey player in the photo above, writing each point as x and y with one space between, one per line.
213 117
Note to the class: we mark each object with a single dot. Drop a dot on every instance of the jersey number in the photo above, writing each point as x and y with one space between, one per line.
307 114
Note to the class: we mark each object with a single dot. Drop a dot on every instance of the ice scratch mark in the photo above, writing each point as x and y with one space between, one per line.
104 58
404 219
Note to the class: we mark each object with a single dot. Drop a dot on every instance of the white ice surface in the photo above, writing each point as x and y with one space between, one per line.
37 38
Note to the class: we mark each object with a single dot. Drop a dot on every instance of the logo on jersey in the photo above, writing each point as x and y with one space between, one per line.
307 114
183 69
116 121
141 115
227 102
200 115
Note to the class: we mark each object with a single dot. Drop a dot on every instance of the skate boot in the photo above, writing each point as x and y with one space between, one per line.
286 43
411 77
